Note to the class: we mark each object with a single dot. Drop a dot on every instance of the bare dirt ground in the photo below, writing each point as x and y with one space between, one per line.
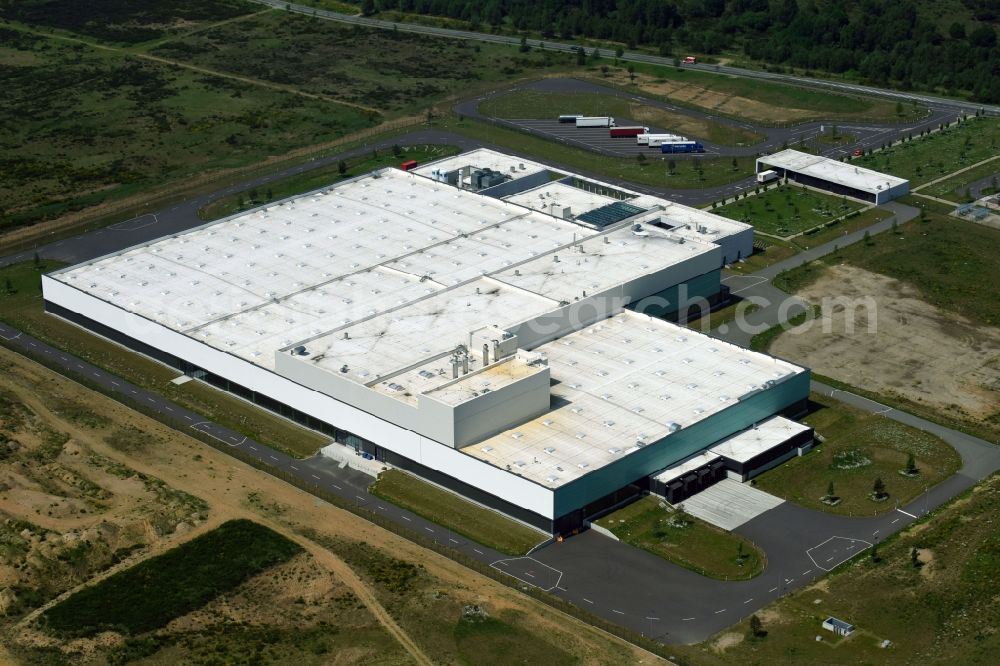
918 351
230 489
750 109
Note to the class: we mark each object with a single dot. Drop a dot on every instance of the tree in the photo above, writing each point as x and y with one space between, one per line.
8 286
38 261
595 55
868 237
671 166
915 558
873 553
895 226
740 556
270 194
829 491
878 488
581 57
396 150
367 7
619 52
899 108
342 167
524 48
736 164
756 627
631 73
641 158
911 465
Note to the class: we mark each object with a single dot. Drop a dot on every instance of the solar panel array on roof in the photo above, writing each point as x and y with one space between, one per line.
607 215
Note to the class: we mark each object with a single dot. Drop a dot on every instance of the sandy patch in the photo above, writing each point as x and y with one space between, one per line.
718 101
726 641
913 349
926 558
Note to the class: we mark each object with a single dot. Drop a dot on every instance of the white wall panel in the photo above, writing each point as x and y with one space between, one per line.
407 443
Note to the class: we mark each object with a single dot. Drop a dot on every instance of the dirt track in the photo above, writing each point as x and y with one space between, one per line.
917 350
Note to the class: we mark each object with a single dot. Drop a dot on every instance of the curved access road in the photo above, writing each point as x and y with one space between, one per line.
869 135
633 56
614 580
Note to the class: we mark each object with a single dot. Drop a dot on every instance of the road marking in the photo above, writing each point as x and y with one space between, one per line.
720 611
452 540
875 532
686 619
115 384
188 417
429 530
406 519
894 522
169 409
829 558
529 574
773 589
748 601
806 572
587 600
314 476
617 611
294 467
336 486
479 551
905 513
271 457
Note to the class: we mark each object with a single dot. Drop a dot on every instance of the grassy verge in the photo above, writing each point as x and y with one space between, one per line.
762 341
154 592
788 209
943 258
549 105
835 229
458 515
858 448
954 188
762 102
924 159
23 310
685 540
316 178
655 172
723 315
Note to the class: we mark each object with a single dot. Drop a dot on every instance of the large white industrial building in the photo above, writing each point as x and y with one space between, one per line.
484 322
834 176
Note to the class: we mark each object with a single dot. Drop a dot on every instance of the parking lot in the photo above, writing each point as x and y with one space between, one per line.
597 138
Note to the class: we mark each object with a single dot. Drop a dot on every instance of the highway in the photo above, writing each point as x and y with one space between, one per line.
633 56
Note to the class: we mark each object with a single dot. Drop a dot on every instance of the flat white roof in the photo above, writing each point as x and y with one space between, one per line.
543 197
483 158
763 437
620 384
691 464
833 171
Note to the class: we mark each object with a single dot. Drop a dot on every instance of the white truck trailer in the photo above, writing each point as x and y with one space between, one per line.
655 140
767 176
595 121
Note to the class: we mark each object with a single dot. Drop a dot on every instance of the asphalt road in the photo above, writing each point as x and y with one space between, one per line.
869 135
631 56
616 581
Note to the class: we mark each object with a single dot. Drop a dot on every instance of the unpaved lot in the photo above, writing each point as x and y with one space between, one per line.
916 351
313 589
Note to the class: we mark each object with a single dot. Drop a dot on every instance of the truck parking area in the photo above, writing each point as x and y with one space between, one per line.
592 138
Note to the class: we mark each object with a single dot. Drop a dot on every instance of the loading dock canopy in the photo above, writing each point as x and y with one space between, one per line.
831 171
763 437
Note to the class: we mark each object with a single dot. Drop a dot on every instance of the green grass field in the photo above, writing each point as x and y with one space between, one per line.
773 100
654 171
458 515
954 188
949 261
103 126
697 545
939 154
549 105
398 73
859 447
155 591
788 209
321 177
942 610
124 22
23 310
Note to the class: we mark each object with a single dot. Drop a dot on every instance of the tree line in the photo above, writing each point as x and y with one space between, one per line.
883 42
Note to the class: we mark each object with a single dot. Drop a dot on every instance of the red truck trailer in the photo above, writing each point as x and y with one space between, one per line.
628 131
408 164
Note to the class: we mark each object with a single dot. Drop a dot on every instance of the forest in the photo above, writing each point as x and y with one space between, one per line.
908 45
